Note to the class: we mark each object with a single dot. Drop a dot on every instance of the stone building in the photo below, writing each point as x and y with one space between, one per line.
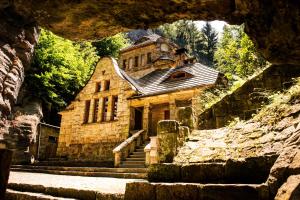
153 79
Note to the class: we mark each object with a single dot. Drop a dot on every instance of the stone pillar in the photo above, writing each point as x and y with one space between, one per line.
100 110
5 161
91 113
109 108
153 156
172 107
167 133
146 120
117 159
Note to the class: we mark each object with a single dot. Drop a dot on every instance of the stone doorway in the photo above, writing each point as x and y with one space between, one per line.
138 118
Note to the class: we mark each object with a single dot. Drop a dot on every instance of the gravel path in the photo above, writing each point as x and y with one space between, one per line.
100 184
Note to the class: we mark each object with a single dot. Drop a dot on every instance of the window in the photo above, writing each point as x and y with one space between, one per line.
114 108
180 75
98 87
124 63
106 85
136 61
104 111
167 114
96 109
86 111
143 60
130 63
149 58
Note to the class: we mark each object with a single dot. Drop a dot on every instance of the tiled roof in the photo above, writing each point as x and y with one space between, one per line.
158 82
149 39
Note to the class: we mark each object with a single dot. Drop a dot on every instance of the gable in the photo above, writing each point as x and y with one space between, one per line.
106 74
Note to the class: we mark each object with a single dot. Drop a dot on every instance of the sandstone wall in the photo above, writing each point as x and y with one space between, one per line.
247 99
95 140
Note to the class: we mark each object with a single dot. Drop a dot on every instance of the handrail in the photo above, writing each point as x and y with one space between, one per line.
127 141
123 147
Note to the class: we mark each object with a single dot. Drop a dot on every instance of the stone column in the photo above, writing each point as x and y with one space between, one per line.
5 161
167 133
91 112
146 120
153 154
100 110
109 108
172 107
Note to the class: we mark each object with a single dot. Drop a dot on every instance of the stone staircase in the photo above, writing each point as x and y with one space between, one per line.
136 159
131 172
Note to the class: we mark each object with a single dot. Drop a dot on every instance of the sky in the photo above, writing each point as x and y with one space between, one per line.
218 25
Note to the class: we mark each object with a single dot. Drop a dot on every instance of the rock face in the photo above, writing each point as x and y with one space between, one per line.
265 20
17 38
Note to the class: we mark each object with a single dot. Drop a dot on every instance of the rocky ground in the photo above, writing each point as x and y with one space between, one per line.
275 130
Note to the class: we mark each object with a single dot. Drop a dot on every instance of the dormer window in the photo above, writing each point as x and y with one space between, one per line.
179 75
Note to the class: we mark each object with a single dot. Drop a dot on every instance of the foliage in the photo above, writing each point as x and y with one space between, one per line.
209 44
110 46
60 68
280 105
200 44
236 54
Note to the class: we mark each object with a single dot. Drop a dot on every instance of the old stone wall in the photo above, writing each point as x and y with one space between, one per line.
48 137
86 132
247 99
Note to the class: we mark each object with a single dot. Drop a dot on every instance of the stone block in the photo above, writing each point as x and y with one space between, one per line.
177 192
139 191
167 133
203 173
164 172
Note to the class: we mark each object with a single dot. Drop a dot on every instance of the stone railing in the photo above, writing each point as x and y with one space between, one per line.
128 146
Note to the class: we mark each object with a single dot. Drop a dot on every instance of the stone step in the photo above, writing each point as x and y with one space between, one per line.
18 195
130 175
180 191
28 192
133 162
136 159
133 166
139 150
82 169
138 153
136 156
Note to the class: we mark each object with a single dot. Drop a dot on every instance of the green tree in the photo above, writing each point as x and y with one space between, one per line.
208 45
110 46
200 44
236 55
60 69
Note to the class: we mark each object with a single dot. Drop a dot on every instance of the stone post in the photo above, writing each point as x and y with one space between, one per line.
91 112
147 150
117 159
5 161
154 159
109 108
167 133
